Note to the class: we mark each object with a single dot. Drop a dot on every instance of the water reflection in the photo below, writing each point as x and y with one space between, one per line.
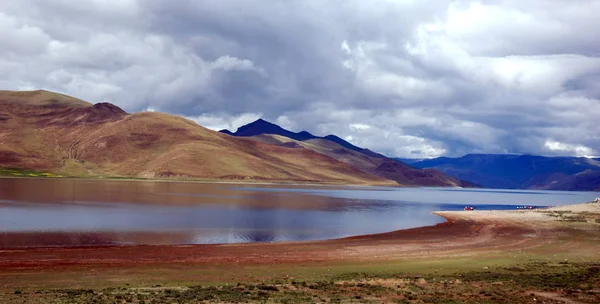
48 212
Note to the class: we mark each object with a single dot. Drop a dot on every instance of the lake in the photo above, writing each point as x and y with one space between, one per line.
61 212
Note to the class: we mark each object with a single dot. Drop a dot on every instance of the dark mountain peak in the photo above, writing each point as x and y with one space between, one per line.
305 135
258 127
260 122
225 131
261 126
331 136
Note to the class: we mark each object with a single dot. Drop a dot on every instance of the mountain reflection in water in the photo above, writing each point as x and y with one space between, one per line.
61 212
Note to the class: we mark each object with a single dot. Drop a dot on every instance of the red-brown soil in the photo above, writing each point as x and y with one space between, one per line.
461 238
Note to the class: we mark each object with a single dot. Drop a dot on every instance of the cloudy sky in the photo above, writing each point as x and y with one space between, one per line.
403 77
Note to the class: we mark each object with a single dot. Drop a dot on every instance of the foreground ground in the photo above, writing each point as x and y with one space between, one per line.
539 256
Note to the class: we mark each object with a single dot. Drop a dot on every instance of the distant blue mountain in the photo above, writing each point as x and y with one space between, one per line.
408 161
262 126
520 171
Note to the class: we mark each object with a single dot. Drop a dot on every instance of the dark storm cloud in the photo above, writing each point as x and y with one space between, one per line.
407 78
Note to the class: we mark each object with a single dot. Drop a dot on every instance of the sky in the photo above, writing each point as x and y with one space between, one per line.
406 78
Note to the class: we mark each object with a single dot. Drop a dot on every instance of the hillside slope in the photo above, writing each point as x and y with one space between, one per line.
521 171
377 165
261 126
51 132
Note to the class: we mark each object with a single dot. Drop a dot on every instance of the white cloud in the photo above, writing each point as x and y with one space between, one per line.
224 121
417 147
427 78
346 48
20 38
228 63
359 127
577 150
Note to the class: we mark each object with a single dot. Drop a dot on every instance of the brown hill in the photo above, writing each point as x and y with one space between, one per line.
377 165
52 132
40 98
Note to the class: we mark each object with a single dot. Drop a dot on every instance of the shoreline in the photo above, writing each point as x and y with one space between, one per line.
224 181
517 218
586 212
464 233
481 253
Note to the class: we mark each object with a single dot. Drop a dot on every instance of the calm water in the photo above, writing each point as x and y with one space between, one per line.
53 212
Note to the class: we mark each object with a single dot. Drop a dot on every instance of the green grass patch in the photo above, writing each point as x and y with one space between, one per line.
18 172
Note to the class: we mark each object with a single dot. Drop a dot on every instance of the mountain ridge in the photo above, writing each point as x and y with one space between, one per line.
261 126
339 149
520 171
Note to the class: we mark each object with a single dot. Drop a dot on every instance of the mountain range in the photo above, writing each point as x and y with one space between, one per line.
520 171
262 126
51 132
341 150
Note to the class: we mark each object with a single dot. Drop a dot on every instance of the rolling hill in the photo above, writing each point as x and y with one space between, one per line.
521 171
332 146
50 132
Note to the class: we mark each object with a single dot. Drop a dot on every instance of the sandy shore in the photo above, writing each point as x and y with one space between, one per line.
580 213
